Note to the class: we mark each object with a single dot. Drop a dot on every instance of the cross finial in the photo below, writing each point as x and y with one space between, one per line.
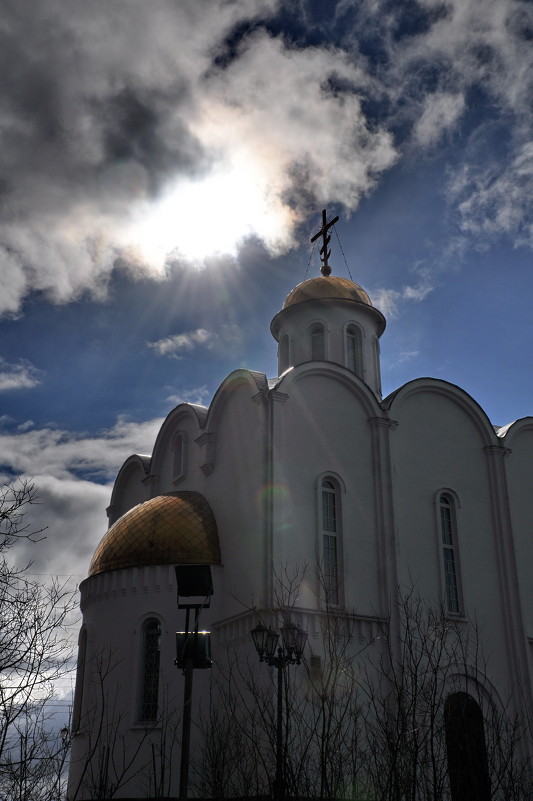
325 269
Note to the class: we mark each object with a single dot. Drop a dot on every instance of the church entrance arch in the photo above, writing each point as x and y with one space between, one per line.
466 749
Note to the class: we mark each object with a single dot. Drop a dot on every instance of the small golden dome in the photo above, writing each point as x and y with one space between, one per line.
169 529
327 287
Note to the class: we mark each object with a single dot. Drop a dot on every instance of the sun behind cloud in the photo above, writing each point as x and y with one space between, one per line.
213 214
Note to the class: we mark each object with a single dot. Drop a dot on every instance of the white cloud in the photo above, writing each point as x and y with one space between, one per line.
72 512
22 375
26 425
186 342
469 58
310 139
66 454
389 301
73 474
198 395
441 112
227 339
492 201
407 356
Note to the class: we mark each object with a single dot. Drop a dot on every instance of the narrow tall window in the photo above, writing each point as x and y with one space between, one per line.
179 455
318 344
375 350
466 749
330 565
149 695
283 353
80 680
449 557
354 360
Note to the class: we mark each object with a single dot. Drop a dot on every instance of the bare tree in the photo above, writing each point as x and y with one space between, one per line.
110 756
35 767
35 652
321 750
432 732
398 717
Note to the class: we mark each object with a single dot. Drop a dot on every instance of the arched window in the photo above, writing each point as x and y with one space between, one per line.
466 749
318 343
284 353
450 558
330 543
149 689
179 455
80 680
377 369
354 356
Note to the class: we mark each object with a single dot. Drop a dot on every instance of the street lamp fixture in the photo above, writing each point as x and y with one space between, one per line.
193 648
279 655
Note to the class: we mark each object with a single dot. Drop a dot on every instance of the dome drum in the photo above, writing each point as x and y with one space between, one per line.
330 319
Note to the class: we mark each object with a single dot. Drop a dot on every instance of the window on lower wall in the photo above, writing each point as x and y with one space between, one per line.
150 657
450 556
330 544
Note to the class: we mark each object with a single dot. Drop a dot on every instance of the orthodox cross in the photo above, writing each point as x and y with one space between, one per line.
325 269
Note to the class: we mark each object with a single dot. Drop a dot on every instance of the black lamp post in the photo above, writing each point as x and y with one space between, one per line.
289 652
193 648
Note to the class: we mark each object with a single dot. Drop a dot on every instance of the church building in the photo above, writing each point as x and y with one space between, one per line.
311 498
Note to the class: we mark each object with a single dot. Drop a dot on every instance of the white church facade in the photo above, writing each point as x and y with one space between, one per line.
360 502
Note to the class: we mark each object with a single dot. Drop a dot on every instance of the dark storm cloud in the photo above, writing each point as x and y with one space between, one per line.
134 126
94 106
104 106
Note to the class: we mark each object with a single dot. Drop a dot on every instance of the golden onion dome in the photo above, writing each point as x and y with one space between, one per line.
169 529
327 287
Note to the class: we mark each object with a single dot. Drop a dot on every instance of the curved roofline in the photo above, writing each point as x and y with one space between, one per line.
438 385
508 432
380 318
183 410
338 373
135 460
327 286
255 379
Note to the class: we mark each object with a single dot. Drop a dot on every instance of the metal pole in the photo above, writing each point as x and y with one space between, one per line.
186 729
279 782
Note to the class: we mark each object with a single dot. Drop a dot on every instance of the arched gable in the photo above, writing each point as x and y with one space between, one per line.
517 439
237 380
509 433
129 489
335 373
236 402
443 442
393 403
185 416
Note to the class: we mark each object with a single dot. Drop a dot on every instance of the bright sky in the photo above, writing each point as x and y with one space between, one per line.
164 166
